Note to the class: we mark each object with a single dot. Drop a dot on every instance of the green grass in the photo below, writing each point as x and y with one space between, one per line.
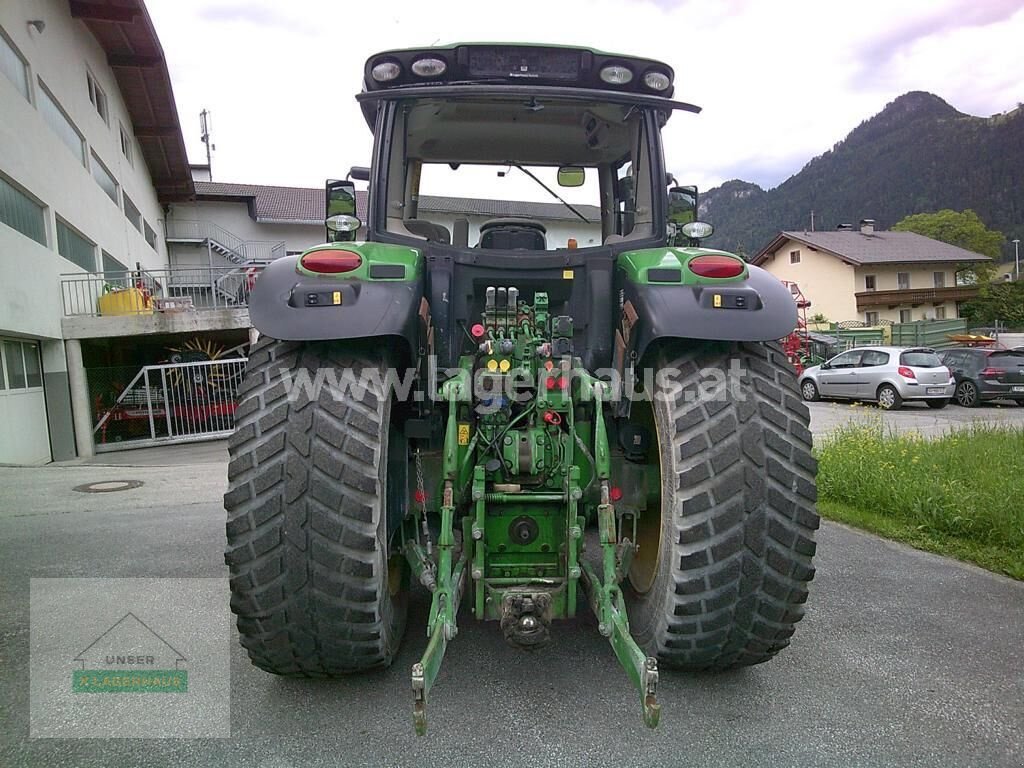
960 495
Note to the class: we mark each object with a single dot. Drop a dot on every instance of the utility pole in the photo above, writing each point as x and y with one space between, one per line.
812 220
1016 258
204 125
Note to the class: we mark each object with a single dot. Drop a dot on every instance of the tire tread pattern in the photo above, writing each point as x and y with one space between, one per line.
307 570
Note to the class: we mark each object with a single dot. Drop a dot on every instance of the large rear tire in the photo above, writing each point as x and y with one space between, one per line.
307 518
721 577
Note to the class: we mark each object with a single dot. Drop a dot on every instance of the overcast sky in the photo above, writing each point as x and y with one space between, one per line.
780 81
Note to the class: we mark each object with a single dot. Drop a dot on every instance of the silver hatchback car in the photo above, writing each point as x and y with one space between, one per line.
887 375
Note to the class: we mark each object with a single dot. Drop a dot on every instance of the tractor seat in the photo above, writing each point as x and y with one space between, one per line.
513 234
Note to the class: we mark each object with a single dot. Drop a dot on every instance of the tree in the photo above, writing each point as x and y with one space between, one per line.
1002 301
964 230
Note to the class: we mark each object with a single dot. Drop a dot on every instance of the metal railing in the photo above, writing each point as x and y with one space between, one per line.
145 292
231 245
169 403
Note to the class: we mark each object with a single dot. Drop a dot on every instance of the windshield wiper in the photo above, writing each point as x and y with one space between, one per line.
551 192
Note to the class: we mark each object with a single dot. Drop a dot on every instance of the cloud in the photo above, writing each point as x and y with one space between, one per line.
780 82
248 13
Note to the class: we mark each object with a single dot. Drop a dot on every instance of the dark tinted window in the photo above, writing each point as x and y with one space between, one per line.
920 358
1006 358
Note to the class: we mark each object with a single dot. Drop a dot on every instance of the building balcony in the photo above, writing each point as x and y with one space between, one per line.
175 300
915 296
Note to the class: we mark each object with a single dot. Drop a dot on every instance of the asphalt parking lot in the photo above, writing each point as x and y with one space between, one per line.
904 658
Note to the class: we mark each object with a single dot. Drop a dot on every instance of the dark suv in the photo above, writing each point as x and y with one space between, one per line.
986 374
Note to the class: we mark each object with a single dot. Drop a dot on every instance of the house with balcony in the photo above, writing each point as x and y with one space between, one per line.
873 276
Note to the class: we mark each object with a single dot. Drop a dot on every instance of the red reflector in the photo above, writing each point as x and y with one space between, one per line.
551 382
331 261
716 266
420 496
905 372
615 493
478 331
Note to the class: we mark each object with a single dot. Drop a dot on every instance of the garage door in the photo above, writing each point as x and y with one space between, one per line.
24 438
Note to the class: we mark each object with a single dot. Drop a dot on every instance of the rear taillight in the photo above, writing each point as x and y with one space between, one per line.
907 373
716 266
331 261
992 373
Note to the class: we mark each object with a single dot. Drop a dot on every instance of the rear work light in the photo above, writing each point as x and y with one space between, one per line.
907 373
616 74
429 67
331 261
657 81
716 266
386 71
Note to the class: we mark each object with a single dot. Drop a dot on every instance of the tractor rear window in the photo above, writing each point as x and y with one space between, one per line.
920 358
513 192
514 173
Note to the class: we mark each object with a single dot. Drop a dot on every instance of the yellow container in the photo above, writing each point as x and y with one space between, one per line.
125 301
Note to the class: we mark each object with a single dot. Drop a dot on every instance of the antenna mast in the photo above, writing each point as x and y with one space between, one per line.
204 126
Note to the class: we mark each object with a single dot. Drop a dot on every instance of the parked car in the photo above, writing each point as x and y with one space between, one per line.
888 375
986 374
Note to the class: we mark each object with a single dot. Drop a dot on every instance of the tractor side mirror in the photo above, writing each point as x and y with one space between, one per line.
341 211
682 205
359 173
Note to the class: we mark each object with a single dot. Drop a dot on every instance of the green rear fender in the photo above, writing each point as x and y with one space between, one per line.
664 299
380 298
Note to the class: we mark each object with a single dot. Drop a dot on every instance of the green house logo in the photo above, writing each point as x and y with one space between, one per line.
130 658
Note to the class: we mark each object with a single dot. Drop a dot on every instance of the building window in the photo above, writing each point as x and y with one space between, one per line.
13 65
132 213
869 282
940 312
112 268
126 146
104 178
75 248
19 211
60 123
905 315
903 280
940 279
794 257
98 98
149 234
21 361
871 318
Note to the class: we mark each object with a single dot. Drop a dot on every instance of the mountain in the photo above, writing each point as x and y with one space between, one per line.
917 155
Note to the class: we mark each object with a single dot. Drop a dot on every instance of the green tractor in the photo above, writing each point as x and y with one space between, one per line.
521 406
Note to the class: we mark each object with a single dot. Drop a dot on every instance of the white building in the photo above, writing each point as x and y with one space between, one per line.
90 151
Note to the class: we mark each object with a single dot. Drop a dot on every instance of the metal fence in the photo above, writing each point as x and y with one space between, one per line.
167 403
928 333
143 292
